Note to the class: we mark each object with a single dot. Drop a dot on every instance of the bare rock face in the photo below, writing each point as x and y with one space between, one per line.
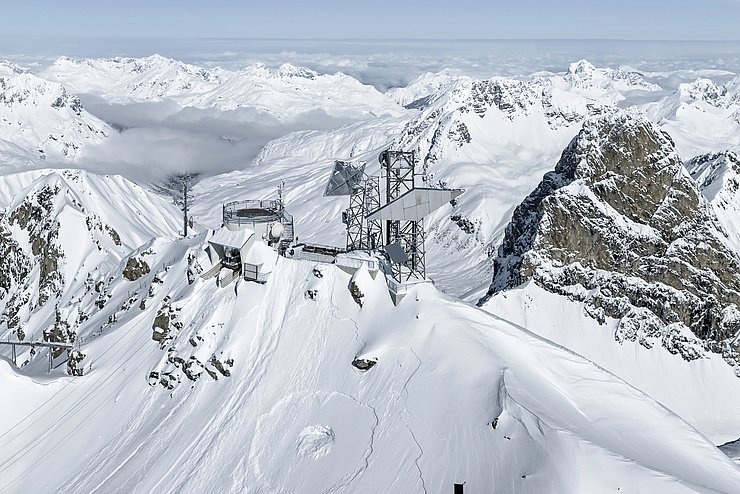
620 225
135 269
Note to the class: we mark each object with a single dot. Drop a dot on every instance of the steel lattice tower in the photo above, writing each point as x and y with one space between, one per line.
399 167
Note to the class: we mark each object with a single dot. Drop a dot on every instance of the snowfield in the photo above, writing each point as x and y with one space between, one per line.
296 416
188 387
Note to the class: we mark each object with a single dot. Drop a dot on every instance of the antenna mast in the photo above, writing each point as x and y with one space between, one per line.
185 181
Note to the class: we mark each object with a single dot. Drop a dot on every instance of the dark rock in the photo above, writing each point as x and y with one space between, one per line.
74 360
357 295
135 269
364 364
220 367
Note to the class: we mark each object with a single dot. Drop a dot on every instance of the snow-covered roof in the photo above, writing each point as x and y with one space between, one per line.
231 238
261 255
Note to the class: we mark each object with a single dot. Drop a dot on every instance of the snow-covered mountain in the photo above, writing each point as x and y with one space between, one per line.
604 360
60 236
718 176
134 79
43 119
501 114
701 115
618 256
253 390
620 224
9 69
285 93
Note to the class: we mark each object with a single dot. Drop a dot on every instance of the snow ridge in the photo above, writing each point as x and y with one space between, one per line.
42 117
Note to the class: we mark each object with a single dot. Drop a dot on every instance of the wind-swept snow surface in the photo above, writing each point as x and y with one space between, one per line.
456 395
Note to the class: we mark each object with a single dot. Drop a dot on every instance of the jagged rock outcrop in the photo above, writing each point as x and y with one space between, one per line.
620 225
135 269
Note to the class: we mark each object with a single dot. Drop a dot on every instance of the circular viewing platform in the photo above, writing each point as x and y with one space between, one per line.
252 211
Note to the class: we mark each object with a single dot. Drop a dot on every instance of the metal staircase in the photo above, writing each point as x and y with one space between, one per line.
229 278
215 269
288 233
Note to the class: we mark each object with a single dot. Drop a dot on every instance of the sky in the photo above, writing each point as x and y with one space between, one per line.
377 19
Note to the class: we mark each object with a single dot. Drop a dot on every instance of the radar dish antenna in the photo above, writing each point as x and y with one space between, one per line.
346 179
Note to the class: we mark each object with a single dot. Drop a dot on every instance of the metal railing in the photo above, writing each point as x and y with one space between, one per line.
250 210
229 278
402 286
356 263
269 204
315 257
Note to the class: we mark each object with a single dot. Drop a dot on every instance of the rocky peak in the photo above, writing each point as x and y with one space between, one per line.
581 69
29 89
584 75
704 90
621 226
714 172
508 95
9 69
288 70
42 116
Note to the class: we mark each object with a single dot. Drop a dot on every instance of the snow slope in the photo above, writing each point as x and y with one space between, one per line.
44 120
62 232
718 176
295 416
684 387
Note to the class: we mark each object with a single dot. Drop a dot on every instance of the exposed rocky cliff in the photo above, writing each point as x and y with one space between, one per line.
621 225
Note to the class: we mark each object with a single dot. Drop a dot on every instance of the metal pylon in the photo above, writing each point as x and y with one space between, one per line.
399 172
363 234
374 232
399 167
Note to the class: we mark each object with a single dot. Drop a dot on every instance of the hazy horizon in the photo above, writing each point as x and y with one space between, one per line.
388 63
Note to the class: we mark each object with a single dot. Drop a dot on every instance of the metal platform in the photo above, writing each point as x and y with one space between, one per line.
252 211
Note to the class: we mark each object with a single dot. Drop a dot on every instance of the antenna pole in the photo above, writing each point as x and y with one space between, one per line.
185 205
